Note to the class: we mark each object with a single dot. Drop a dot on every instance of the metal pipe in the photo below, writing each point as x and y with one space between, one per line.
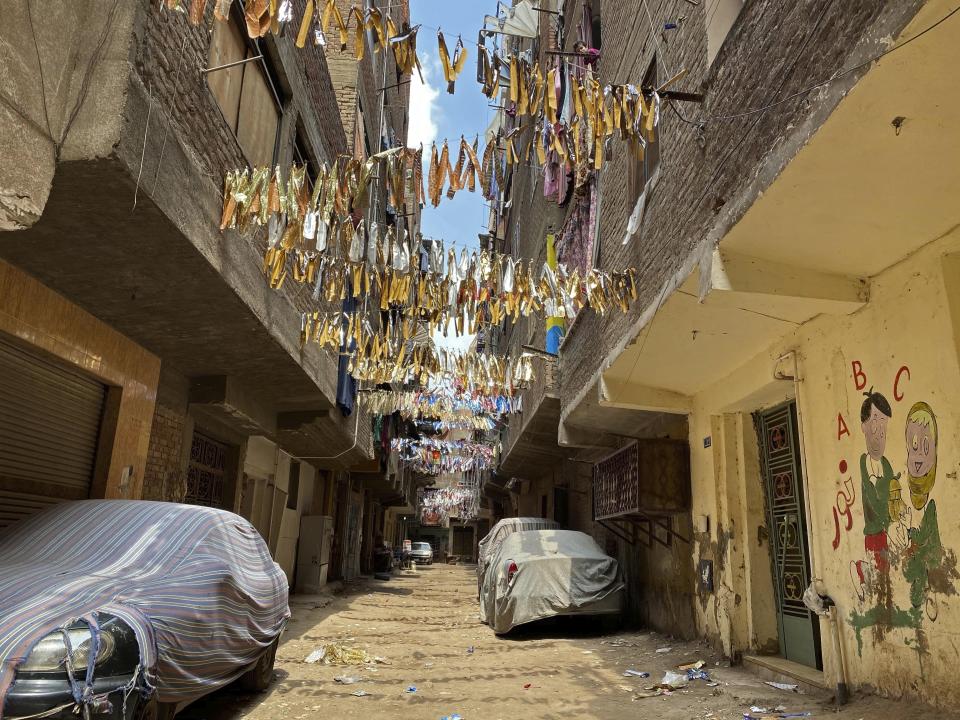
231 64
387 87
539 352
843 694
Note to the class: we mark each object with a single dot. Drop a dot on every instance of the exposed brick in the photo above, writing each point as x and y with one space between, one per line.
775 48
163 476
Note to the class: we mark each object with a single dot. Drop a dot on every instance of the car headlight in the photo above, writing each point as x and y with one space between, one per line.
50 654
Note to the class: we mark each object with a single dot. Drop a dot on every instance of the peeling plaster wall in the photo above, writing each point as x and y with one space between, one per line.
64 69
900 636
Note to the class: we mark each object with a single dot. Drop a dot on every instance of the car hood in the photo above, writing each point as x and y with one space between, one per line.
157 566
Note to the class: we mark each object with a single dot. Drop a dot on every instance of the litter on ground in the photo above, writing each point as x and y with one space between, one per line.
782 686
337 654
672 680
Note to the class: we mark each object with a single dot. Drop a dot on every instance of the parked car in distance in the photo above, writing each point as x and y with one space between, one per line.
536 574
128 610
421 553
491 542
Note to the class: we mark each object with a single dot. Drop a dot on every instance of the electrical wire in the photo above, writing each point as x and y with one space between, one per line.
836 76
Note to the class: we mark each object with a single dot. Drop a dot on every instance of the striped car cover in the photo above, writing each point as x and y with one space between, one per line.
196 584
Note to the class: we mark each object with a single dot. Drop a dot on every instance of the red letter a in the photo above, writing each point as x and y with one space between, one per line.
841 427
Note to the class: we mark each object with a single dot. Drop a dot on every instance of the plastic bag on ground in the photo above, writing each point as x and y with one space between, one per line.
675 680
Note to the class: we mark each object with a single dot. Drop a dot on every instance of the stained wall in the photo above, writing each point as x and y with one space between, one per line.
881 493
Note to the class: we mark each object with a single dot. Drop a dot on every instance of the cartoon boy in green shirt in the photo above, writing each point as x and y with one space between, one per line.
879 490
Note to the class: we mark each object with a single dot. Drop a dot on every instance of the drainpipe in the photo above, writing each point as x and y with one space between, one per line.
842 688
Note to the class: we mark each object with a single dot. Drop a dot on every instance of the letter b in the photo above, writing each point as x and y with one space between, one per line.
859 376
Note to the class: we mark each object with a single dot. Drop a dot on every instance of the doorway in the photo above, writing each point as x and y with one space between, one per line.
798 628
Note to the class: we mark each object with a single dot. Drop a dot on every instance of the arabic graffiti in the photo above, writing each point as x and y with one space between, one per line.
846 497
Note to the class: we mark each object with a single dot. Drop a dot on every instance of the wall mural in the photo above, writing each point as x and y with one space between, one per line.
903 566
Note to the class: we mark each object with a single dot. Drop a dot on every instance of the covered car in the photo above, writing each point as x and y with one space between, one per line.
125 609
536 574
491 542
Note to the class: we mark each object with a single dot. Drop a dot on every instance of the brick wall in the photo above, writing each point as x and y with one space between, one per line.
163 478
353 81
169 55
775 48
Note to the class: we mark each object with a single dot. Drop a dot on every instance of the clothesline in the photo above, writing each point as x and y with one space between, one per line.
435 404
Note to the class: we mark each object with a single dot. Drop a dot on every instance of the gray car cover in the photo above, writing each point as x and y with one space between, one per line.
491 542
560 572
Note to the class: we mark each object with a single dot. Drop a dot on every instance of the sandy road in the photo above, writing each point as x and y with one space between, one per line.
424 624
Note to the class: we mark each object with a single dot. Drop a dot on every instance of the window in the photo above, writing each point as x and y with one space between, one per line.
361 144
561 506
302 155
595 25
244 93
720 15
643 171
206 472
543 506
293 485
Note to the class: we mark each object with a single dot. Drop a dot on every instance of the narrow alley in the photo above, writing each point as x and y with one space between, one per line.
424 625
479 360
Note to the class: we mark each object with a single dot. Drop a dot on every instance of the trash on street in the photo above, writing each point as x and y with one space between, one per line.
337 654
672 680
782 686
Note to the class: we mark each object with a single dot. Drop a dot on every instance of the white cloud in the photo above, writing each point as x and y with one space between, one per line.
423 107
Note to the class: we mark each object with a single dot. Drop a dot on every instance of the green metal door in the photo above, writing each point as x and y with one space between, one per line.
780 451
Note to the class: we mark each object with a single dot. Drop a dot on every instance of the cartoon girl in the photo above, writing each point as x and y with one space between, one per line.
924 550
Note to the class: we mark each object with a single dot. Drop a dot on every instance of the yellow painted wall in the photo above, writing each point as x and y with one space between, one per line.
905 343
50 323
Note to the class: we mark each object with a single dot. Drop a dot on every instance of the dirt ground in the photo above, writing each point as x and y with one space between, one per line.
423 625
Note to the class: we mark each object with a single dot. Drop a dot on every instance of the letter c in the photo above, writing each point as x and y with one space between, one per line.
897 395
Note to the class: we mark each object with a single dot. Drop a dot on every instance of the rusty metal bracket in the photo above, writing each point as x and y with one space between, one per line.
616 531
662 523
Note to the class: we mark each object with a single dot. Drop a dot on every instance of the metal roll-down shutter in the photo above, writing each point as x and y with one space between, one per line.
50 417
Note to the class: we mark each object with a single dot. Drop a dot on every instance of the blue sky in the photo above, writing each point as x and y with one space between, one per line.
435 115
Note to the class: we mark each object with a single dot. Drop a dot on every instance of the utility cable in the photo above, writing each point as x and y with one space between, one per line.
836 76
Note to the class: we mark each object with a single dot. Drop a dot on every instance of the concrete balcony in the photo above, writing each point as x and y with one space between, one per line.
530 442
129 229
